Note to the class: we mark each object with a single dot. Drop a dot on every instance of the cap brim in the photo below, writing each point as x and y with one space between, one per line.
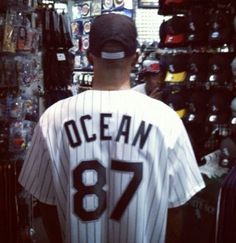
175 77
181 112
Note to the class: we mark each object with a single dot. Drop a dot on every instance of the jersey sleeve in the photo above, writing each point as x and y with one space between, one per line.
184 175
36 175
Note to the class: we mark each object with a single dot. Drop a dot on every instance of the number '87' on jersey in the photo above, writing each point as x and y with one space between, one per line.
112 166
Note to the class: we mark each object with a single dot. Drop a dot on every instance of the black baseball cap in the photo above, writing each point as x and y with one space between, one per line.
113 27
175 33
220 28
176 70
197 68
219 70
196 27
176 100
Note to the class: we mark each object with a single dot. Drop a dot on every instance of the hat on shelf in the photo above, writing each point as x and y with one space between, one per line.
219 69
197 68
176 68
175 31
113 27
219 107
176 100
220 28
196 107
197 27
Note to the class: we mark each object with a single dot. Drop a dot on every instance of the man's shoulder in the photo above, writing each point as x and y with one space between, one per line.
140 88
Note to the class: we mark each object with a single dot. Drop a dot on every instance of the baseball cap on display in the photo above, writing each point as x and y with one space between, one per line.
220 28
176 101
113 27
196 27
197 68
196 107
151 66
176 68
219 71
175 31
219 107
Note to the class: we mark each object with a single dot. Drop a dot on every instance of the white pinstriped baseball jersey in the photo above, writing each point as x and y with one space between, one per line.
112 162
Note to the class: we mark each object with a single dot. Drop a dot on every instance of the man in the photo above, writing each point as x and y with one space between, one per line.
110 161
153 76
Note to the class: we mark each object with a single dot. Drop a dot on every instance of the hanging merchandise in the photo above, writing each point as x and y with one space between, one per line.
58 66
58 60
85 9
66 38
107 4
8 78
10 33
56 30
96 7
19 34
119 3
20 78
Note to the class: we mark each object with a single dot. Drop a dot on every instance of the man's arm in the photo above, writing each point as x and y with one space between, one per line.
51 222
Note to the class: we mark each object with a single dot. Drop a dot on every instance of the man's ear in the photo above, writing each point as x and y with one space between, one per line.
135 59
90 57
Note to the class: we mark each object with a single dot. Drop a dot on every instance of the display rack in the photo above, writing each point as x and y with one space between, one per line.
20 80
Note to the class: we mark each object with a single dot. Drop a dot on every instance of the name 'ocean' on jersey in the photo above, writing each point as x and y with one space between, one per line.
74 135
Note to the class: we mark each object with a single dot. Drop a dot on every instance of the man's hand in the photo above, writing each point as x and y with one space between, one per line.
156 93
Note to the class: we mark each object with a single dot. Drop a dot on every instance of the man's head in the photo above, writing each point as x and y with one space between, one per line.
112 50
153 75
116 29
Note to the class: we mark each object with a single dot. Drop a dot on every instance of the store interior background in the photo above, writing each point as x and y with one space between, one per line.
26 89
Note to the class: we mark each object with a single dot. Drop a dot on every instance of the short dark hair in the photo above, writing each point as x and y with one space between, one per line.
113 27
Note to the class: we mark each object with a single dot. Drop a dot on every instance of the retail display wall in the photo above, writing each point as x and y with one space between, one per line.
198 50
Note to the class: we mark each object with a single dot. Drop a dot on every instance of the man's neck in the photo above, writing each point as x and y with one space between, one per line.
101 84
107 80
